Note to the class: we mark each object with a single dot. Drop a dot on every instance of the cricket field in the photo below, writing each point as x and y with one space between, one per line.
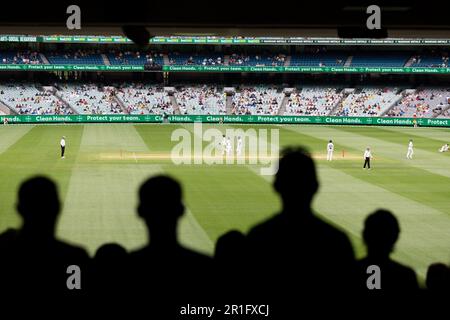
105 164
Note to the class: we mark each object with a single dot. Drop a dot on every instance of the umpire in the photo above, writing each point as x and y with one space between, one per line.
63 146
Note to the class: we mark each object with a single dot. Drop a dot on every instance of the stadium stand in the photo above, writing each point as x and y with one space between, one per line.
90 99
368 102
196 59
313 101
430 60
134 58
20 57
324 59
257 100
380 59
257 60
421 103
140 98
313 59
201 100
91 57
27 99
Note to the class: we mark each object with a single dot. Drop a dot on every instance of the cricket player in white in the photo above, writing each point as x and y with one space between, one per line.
410 152
239 146
444 148
367 158
228 146
63 146
223 144
330 149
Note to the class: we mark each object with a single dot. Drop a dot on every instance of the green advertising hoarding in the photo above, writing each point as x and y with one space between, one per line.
62 67
302 69
103 39
277 69
243 119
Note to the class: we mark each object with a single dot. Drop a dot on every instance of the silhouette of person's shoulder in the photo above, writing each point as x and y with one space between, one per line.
8 236
69 251
394 275
285 226
178 252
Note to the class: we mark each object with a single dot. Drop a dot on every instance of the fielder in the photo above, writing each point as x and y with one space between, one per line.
410 152
63 146
444 148
223 144
228 146
330 149
239 146
367 158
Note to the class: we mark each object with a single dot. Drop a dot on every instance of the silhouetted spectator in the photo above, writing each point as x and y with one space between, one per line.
296 250
230 258
164 268
381 232
109 269
438 278
32 259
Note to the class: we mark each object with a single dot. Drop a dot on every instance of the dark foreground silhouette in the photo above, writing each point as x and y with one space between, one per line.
164 268
296 250
32 259
381 232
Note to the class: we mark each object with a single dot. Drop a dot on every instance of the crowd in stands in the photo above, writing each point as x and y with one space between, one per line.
144 99
90 99
89 57
257 100
20 57
309 58
139 98
266 60
27 99
422 103
196 59
368 102
295 248
135 58
201 100
313 101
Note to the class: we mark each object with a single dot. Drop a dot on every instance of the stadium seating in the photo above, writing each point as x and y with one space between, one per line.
77 57
313 101
18 57
382 59
201 100
422 103
257 100
140 98
368 102
257 60
134 58
25 98
324 59
430 60
89 99
196 59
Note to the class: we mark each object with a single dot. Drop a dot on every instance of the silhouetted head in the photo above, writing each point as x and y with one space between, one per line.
230 247
296 179
381 231
160 205
331 141
110 252
38 205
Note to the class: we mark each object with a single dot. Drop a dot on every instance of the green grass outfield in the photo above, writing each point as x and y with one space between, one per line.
105 165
